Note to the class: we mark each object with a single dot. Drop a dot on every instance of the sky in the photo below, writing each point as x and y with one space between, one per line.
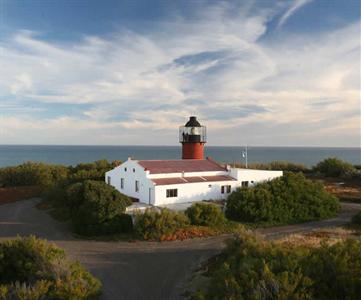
262 73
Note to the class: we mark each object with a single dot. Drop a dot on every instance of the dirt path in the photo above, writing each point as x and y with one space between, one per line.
138 270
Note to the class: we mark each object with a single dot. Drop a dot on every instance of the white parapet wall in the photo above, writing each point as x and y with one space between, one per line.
254 176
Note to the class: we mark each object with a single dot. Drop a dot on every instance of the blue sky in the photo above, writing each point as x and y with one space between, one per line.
261 73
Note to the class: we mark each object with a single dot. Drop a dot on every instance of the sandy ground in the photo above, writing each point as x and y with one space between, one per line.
137 270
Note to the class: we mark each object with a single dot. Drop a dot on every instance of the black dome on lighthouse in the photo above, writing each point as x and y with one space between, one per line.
193 122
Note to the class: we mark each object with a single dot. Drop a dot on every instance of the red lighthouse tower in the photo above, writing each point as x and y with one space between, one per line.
193 137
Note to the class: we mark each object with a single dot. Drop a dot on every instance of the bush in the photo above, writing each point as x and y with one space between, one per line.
335 270
31 268
253 269
288 199
32 174
153 224
97 208
91 171
205 214
334 167
48 175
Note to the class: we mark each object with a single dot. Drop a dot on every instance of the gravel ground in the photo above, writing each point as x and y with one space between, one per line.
136 270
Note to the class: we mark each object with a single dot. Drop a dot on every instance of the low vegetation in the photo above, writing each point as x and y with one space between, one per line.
205 214
288 199
78 194
334 167
48 175
32 174
94 207
199 220
156 224
250 268
33 269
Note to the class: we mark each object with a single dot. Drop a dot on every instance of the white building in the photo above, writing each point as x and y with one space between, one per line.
192 178
163 182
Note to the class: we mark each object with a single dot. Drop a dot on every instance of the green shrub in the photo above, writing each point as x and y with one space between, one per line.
47 175
334 167
356 219
97 208
91 171
205 214
30 173
288 199
254 269
31 268
153 224
335 270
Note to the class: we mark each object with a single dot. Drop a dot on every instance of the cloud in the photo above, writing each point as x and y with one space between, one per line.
131 88
296 5
22 82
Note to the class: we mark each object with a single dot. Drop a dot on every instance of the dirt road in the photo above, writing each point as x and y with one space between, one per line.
138 270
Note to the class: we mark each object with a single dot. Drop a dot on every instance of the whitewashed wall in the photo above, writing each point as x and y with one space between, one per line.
156 195
146 187
254 175
190 192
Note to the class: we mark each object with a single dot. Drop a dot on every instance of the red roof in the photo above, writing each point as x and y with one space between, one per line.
179 166
179 180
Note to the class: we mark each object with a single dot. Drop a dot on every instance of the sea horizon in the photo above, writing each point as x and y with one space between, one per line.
14 154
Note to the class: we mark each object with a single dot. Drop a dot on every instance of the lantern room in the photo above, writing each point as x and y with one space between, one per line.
192 136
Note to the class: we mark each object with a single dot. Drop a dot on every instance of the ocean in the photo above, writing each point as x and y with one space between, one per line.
11 155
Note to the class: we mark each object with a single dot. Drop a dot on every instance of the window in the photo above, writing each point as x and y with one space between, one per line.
122 183
172 193
125 169
209 185
244 183
133 170
137 186
109 180
225 189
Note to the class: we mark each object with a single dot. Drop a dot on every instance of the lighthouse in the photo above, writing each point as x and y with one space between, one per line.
181 181
192 136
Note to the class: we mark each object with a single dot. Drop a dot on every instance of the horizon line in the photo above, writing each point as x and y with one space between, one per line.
143 145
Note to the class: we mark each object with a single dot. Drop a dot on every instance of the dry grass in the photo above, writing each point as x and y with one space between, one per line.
11 194
314 238
345 190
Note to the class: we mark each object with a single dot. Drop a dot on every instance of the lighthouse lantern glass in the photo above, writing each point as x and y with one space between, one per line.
194 131
192 134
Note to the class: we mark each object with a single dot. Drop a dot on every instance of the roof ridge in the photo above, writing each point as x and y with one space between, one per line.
179 159
215 162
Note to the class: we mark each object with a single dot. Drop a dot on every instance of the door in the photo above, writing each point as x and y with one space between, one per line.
150 195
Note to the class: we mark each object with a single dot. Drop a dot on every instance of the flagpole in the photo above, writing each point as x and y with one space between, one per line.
246 157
